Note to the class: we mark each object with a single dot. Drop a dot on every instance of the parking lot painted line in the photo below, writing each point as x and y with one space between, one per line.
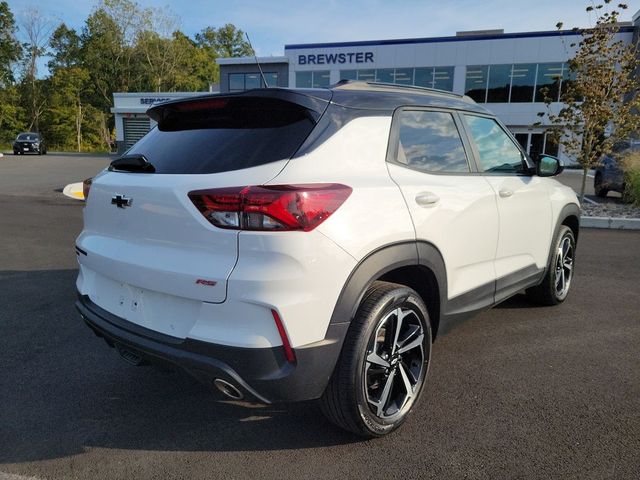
74 190
610 223
13 476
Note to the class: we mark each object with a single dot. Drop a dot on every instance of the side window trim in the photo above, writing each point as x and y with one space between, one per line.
476 153
394 140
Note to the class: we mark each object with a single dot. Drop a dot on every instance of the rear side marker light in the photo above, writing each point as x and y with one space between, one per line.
270 207
288 351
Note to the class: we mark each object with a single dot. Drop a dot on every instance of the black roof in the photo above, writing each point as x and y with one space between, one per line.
348 93
385 96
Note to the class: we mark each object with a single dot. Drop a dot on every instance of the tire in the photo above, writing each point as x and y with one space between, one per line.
560 269
598 188
359 397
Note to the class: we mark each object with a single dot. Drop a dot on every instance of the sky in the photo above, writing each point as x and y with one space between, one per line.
272 24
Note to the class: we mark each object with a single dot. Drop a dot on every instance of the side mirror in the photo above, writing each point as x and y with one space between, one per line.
548 166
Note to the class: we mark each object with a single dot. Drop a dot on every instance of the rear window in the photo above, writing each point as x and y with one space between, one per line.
224 134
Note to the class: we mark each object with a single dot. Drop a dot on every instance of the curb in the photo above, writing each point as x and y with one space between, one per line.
610 223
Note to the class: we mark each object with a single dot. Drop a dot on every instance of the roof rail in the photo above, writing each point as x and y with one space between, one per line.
361 83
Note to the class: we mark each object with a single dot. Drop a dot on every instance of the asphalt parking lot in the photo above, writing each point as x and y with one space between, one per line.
518 392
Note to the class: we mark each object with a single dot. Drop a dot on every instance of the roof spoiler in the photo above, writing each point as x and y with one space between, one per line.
315 102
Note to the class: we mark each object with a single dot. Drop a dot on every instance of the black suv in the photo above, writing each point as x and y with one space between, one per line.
29 142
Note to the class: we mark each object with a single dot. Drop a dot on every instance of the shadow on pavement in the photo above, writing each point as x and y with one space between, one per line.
64 390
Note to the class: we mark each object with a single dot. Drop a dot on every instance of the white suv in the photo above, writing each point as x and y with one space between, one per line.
286 245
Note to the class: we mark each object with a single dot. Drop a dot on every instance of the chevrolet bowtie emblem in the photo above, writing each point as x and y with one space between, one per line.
121 201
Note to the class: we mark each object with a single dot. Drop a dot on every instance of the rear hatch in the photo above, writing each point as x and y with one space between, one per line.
146 253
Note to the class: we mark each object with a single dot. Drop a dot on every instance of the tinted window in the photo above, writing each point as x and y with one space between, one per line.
385 75
548 82
348 74
476 82
443 78
303 79
498 153
321 79
232 134
430 141
523 79
499 83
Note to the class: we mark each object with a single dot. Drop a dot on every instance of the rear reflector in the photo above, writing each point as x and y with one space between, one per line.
271 207
288 351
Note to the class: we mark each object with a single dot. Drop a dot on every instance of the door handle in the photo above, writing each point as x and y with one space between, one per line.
505 192
427 199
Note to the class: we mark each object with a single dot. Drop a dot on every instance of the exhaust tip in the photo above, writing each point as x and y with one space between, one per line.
227 389
129 356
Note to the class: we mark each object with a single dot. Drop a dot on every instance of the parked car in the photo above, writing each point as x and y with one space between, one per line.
29 142
609 175
287 245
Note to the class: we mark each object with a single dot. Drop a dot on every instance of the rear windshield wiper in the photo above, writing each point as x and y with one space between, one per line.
132 163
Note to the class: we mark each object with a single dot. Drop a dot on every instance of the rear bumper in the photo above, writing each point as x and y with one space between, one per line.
262 374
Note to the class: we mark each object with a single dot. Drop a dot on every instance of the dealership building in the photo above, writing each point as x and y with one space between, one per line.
506 71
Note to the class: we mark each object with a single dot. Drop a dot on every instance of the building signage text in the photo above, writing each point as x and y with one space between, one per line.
332 58
153 100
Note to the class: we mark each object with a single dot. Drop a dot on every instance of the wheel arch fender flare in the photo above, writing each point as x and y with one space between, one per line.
381 261
569 211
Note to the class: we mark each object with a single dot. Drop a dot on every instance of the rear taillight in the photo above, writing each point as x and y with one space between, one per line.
86 187
270 207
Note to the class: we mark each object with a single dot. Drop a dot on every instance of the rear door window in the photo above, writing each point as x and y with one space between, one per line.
429 141
224 134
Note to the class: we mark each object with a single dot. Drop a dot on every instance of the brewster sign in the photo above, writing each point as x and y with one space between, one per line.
333 58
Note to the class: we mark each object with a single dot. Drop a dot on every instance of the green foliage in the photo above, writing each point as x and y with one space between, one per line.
600 98
10 48
631 167
122 47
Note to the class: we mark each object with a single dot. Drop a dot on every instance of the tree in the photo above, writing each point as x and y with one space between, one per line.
600 98
66 110
108 48
10 53
10 48
37 28
226 41
65 48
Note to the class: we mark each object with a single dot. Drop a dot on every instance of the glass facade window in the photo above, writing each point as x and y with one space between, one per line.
499 83
367 75
523 82
304 79
424 77
348 74
548 81
403 76
431 77
443 78
567 78
271 78
430 142
321 79
517 83
476 82
537 143
385 75
236 82
239 82
252 80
